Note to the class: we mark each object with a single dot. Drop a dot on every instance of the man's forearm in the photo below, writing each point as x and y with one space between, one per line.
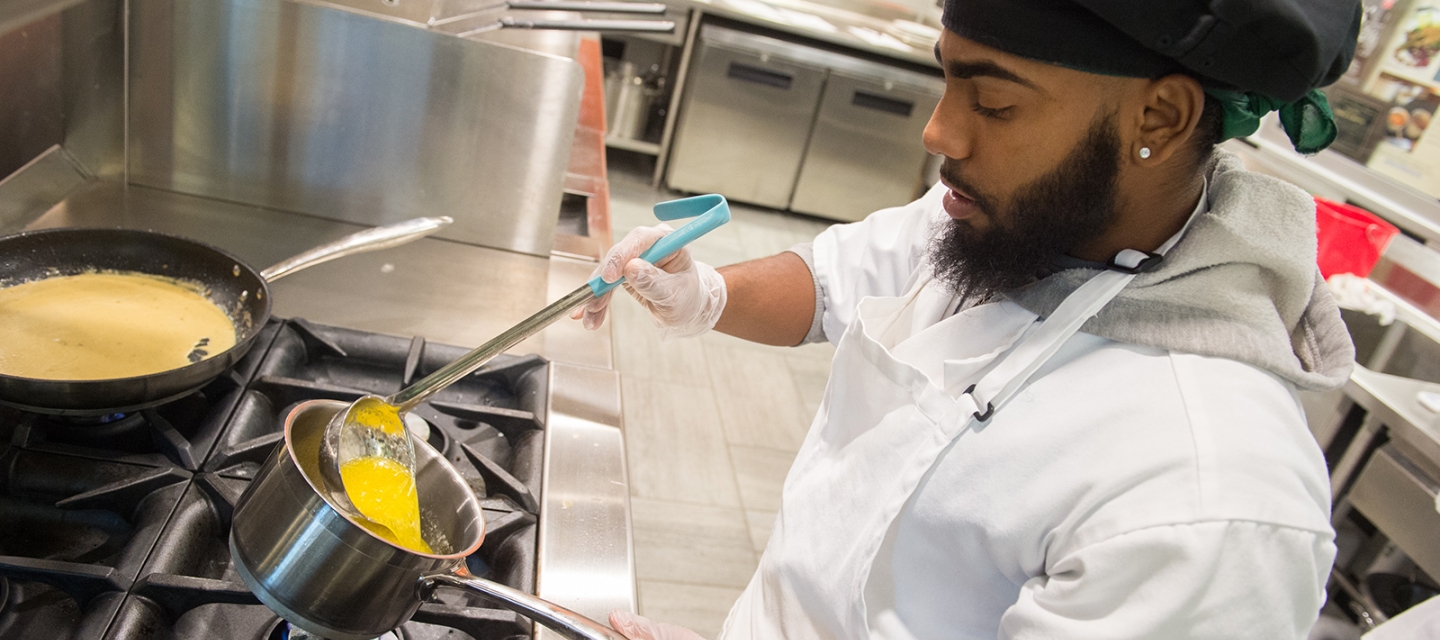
770 300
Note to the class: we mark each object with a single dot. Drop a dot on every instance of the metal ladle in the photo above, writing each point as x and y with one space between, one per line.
347 439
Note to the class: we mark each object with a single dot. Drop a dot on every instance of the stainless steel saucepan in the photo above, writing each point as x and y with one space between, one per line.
323 572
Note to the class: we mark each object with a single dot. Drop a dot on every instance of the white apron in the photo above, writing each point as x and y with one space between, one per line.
882 426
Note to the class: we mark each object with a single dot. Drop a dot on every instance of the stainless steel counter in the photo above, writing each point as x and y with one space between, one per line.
586 554
1394 402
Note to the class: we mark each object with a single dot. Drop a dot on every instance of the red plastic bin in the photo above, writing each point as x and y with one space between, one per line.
1351 239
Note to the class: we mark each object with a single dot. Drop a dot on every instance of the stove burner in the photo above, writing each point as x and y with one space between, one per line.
112 427
89 421
4 594
178 433
139 433
285 631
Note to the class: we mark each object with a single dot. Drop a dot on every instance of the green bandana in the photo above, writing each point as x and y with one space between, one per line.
1308 121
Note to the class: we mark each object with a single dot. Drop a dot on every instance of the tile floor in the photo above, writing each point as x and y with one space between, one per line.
711 424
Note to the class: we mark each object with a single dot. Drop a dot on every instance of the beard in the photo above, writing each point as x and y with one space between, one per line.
1046 218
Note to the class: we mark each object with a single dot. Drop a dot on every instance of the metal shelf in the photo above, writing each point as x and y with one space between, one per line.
638 146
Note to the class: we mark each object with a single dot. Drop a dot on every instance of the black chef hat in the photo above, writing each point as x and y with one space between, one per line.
1256 56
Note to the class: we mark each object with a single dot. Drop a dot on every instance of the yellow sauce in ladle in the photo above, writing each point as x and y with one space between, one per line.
384 491
383 488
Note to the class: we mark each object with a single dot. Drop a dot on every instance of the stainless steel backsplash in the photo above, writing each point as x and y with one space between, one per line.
61 107
30 107
292 106
326 112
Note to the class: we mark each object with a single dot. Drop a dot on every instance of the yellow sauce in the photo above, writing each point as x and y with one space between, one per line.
380 416
97 326
384 491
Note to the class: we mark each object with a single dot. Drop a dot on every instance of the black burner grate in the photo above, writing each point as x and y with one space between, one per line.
180 433
75 533
118 528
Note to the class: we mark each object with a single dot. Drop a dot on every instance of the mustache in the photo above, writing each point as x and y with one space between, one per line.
950 171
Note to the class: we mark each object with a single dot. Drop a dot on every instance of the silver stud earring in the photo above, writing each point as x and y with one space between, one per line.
1144 152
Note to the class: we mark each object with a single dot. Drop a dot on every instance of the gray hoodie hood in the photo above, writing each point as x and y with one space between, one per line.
1241 284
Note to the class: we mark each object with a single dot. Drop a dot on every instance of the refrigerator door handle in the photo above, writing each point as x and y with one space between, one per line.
758 75
868 100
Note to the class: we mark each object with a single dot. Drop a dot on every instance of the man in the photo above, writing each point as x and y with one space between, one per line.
1063 398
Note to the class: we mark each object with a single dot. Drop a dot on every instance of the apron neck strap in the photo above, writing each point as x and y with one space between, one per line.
1135 262
1035 350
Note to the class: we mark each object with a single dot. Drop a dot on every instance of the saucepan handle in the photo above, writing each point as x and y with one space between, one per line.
392 235
559 619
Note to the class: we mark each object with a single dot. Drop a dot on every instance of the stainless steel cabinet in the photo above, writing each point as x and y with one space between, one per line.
788 126
1399 499
865 152
746 118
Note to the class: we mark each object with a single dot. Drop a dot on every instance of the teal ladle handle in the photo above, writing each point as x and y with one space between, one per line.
712 210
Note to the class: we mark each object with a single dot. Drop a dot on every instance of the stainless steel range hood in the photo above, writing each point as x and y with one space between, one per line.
299 107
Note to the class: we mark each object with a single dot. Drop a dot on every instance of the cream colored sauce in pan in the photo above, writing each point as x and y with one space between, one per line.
96 326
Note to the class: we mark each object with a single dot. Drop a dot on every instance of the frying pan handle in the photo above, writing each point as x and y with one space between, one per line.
613 26
559 619
603 6
712 210
653 8
392 235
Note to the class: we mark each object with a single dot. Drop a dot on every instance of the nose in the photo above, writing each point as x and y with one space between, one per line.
946 133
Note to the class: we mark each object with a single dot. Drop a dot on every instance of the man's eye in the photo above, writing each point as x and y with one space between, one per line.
989 112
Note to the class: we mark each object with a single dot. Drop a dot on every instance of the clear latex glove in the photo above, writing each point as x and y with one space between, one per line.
637 627
684 296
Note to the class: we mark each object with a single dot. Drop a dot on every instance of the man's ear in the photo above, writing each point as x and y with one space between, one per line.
1169 109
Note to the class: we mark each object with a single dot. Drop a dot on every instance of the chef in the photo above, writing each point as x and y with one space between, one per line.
1063 400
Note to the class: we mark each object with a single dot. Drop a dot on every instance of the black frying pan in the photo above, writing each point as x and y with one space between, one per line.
236 287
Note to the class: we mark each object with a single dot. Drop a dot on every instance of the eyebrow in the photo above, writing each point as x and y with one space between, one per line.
979 68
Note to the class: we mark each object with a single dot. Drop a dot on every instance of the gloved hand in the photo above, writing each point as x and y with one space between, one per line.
684 296
639 628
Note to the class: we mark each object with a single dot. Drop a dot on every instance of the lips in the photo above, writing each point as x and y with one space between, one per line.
959 206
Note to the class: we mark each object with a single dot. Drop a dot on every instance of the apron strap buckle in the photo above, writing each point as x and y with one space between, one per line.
1134 262
989 406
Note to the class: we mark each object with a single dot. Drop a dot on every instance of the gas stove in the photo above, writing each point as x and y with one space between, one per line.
115 527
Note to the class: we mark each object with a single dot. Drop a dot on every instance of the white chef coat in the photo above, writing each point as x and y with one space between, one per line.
1125 492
